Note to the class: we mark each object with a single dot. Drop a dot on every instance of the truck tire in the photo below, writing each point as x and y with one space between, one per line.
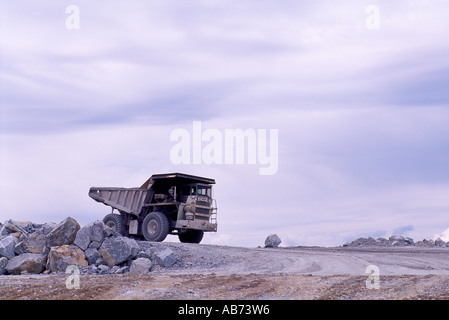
191 236
155 227
115 222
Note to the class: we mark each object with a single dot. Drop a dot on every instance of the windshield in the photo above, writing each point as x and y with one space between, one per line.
193 190
200 190
204 191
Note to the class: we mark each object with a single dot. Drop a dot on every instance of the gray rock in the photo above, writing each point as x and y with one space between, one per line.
3 262
84 270
92 268
424 243
110 232
395 241
48 227
59 258
116 250
7 246
114 269
3 271
122 270
82 239
382 242
148 253
102 269
100 261
440 243
134 247
64 233
141 265
365 242
3 232
23 227
400 241
95 231
165 258
92 255
95 244
98 231
272 241
27 262
35 243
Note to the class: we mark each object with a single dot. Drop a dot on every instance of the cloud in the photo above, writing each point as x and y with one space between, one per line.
403 230
443 236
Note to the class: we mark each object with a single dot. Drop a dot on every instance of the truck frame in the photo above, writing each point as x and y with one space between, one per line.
171 203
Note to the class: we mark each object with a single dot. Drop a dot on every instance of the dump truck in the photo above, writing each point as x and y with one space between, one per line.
171 203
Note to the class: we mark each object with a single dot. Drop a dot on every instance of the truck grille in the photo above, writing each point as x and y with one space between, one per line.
203 203
202 213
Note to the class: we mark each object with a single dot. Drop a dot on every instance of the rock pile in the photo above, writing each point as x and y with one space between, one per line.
395 241
26 247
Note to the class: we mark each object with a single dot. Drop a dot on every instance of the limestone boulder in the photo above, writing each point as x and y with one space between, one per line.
60 257
141 265
93 232
27 262
7 246
165 258
118 249
272 241
64 233
35 243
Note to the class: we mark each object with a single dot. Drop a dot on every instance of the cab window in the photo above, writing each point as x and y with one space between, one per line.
204 191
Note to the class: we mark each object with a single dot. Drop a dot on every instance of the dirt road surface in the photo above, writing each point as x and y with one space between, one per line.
223 272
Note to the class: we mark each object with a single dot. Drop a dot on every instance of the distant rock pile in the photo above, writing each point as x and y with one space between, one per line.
395 241
26 247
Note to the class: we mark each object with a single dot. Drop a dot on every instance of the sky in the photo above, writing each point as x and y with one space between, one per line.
357 92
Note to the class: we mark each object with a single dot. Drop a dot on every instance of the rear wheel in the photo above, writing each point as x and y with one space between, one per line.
191 236
155 227
115 222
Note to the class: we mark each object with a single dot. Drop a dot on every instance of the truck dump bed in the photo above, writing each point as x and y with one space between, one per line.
129 200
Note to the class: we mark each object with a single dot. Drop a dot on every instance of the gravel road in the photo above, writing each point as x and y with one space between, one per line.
224 272
227 260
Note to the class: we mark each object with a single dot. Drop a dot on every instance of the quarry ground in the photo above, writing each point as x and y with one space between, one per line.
224 272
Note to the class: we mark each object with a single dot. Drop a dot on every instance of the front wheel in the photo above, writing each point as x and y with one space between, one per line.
191 236
155 227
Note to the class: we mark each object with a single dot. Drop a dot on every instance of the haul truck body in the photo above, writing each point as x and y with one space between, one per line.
173 203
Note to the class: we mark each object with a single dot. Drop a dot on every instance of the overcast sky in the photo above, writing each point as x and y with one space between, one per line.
90 92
